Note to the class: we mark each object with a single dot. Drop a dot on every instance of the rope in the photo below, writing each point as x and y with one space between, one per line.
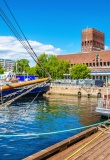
86 144
27 108
20 29
16 95
48 133
25 43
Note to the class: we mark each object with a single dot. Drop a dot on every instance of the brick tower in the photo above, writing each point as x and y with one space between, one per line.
92 40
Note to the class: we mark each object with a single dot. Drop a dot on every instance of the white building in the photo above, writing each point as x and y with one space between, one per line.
7 64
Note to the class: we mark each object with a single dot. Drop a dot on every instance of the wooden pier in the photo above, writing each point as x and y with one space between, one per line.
91 144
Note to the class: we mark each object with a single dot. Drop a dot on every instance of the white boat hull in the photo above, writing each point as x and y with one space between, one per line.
103 111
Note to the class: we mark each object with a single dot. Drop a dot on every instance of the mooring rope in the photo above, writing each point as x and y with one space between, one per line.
49 133
27 108
77 151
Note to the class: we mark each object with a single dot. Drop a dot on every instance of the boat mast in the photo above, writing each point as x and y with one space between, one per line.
106 91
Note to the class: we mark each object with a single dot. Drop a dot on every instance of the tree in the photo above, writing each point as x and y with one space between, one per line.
80 71
50 63
1 69
46 64
21 66
41 66
63 67
32 71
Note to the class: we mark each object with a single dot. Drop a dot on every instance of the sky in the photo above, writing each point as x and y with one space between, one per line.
52 26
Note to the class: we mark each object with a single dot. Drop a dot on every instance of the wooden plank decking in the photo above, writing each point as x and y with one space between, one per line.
95 147
98 149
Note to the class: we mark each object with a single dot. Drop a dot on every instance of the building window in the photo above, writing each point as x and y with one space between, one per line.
97 64
104 63
100 63
88 43
108 63
93 64
100 77
82 43
93 77
90 64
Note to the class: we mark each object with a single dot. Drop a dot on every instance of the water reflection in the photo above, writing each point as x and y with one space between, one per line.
82 107
46 114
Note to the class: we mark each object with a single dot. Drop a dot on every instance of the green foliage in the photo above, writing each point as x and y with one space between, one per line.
1 69
56 68
52 65
63 67
32 71
80 71
21 66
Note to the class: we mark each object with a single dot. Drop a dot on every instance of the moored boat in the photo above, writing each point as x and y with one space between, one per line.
12 88
103 107
40 90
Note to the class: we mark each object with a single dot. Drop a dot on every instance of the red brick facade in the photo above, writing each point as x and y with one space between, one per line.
92 40
95 60
93 55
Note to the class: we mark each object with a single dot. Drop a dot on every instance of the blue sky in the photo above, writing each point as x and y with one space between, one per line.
53 26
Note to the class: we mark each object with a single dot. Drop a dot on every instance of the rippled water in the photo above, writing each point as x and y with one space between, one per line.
44 115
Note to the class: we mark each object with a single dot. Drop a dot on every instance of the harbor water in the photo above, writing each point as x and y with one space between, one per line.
28 126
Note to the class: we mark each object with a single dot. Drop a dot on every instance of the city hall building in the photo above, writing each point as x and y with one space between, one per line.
92 54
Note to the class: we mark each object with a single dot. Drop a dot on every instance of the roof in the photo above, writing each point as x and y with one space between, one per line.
88 57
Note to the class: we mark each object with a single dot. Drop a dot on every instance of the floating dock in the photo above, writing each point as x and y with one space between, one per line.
91 144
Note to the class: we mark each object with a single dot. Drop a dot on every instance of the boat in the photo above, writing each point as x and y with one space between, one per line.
40 90
103 107
29 86
12 84
11 91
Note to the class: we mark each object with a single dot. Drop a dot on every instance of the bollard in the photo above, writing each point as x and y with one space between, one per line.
99 95
88 95
79 94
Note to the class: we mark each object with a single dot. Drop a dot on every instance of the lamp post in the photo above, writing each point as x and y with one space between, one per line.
106 91
96 74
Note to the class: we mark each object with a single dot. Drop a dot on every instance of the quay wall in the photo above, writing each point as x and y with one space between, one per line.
93 91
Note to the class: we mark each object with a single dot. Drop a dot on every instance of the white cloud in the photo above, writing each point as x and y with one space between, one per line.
11 48
106 47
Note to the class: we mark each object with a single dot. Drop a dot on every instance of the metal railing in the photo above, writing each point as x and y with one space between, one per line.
104 103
